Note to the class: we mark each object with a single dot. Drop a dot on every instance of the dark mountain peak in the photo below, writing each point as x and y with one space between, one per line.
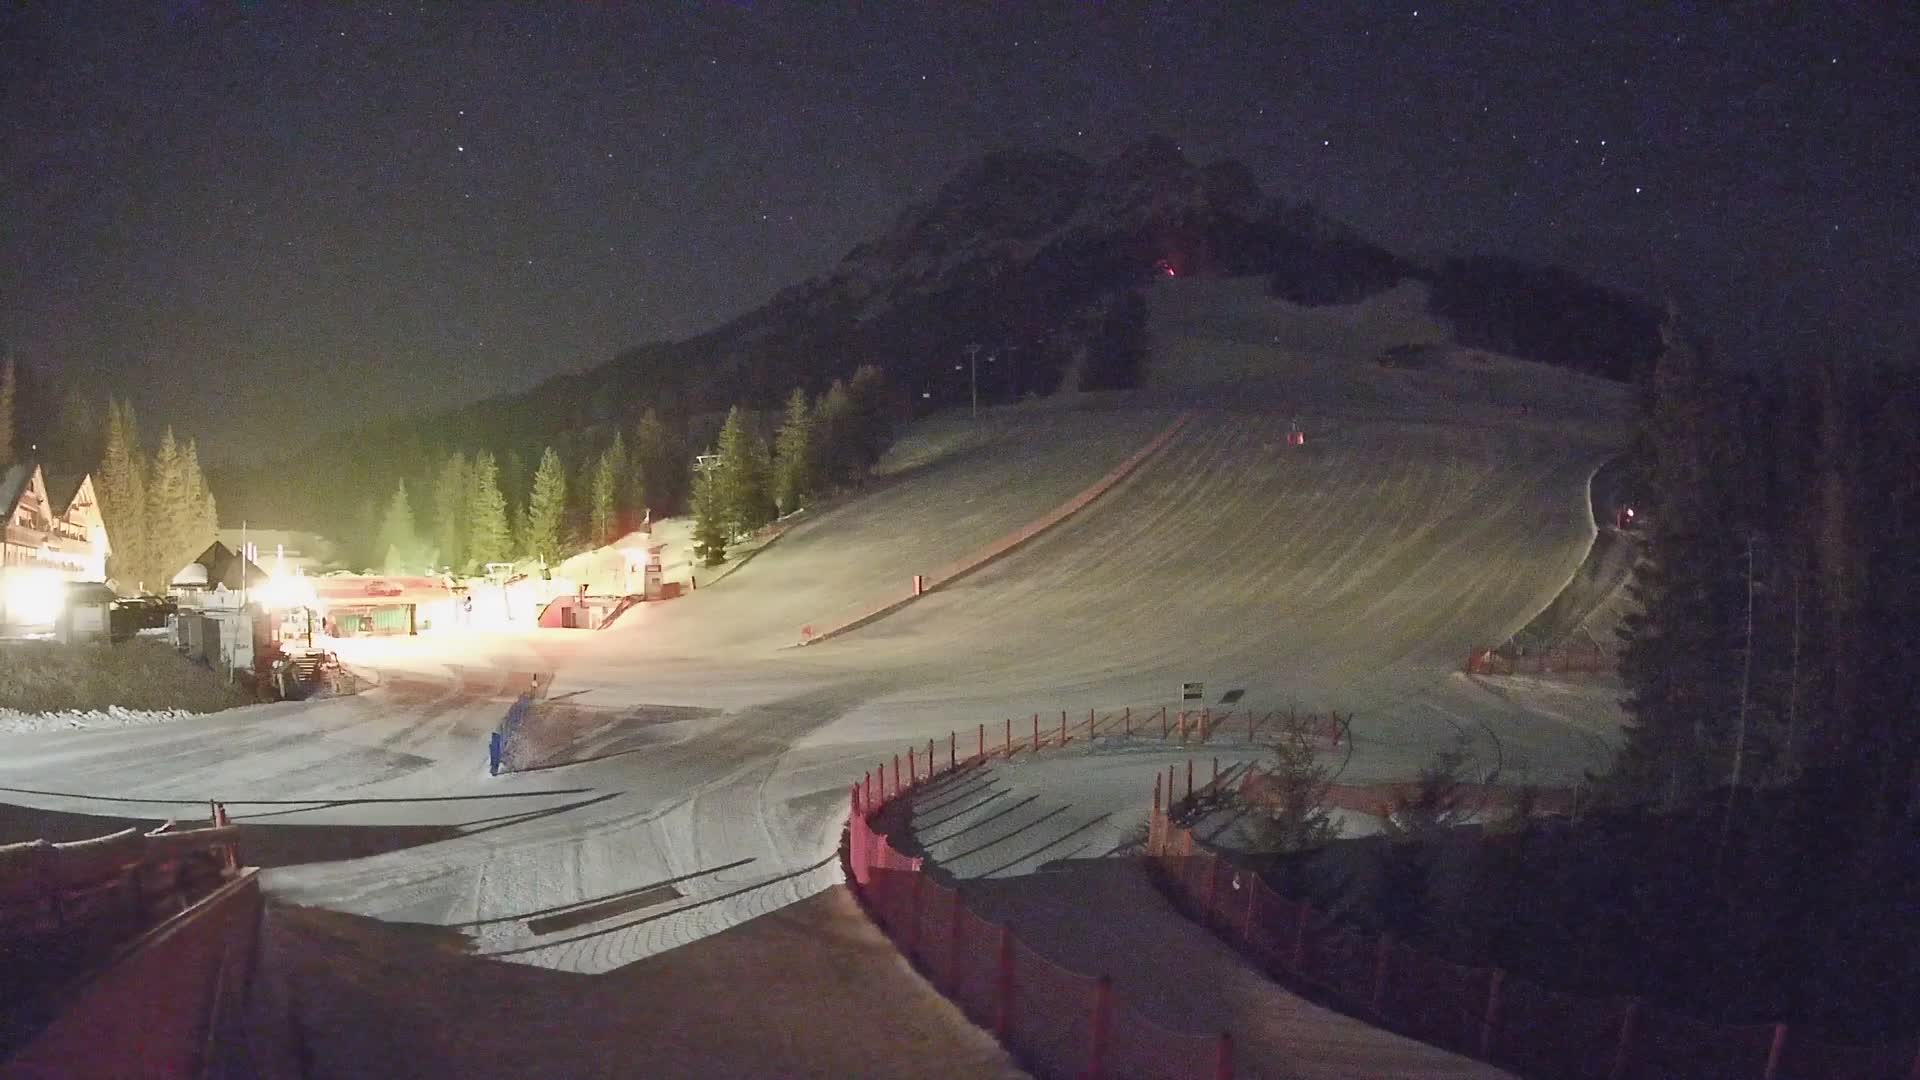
1229 187
1146 185
1006 195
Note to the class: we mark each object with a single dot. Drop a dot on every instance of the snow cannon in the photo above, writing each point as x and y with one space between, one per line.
1296 437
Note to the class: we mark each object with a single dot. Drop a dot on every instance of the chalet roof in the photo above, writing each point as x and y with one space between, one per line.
61 488
223 567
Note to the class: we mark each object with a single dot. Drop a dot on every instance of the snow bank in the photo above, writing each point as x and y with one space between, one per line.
22 723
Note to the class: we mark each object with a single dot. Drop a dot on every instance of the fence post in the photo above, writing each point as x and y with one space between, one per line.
929 759
981 748
1063 727
1163 721
1126 721
1036 732
868 781
896 776
1003 1015
955 947
1169 789
1249 725
1774 1050
1009 736
1490 1019
1254 885
1223 1057
1090 713
1189 779
1102 1020
1298 961
913 766
1382 969
1156 793
855 805
1623 1052
1206 723
953 750
1216 773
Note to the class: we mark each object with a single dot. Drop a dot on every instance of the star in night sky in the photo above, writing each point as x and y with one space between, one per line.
269 221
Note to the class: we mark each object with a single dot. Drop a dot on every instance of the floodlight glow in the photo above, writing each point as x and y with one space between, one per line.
288 592
33 596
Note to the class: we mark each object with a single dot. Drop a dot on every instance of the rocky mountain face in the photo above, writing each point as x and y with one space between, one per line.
1029 255
1028 262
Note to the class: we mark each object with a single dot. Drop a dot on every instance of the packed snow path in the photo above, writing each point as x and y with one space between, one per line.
1352 574
703 760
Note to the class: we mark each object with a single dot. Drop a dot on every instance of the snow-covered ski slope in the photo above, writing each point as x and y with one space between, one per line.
707 785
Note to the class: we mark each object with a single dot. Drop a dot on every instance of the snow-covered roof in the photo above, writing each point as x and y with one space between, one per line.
191 574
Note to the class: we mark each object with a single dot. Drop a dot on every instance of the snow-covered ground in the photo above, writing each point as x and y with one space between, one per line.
16 723
711 776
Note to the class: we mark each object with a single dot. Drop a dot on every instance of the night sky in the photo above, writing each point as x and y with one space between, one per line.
267 220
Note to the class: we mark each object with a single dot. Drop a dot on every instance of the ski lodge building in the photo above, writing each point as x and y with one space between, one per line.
50 535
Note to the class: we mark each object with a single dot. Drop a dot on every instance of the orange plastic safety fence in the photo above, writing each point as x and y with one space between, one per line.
1436 1001
933 945
975 983
1052 1020
1270 927
1511 1021
1340 960
1138 1047
1046 1012
1554 1034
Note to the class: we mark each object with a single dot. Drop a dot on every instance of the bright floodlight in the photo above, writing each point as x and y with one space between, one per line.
33 596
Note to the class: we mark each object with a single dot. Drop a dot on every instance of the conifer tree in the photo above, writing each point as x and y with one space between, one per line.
7 433
546 509
450 499
398 541
1681 660
603 497
200 517
660 465
836 429
709 518
487 537
122 491
741 475
872 426
796 455
80 437
169 513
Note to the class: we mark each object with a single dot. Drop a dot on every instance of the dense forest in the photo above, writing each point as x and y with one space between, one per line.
158 509
1754 860
463 511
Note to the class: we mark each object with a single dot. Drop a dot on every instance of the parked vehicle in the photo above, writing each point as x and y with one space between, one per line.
132 614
